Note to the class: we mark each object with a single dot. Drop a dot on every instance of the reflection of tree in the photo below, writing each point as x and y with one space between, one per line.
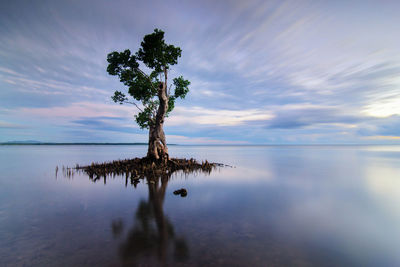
152 233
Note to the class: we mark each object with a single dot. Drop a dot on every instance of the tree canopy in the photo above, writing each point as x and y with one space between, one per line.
144 88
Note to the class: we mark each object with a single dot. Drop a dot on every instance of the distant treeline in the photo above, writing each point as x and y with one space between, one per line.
70 144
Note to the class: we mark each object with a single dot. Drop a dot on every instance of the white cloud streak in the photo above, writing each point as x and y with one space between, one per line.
203 116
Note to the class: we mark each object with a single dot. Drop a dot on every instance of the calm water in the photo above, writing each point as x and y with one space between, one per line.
315 205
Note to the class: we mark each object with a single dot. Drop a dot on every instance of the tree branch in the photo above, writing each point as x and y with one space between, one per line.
147 76
169 90
133 103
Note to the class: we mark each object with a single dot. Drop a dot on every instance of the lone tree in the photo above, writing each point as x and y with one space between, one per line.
151 90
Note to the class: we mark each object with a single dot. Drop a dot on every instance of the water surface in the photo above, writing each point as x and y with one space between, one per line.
279 205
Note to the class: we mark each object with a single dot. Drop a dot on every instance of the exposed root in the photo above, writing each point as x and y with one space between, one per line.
139 168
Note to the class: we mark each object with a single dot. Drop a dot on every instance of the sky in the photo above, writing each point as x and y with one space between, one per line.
261 72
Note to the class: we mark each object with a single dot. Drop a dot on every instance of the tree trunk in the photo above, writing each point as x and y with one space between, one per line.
157 144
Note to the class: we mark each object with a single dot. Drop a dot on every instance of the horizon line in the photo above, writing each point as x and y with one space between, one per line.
227 144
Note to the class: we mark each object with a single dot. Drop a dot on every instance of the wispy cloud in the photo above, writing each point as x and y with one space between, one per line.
181 139
222 117
6 125
82 109
382 137
269 71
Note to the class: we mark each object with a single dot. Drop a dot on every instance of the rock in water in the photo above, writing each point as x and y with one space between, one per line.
182 192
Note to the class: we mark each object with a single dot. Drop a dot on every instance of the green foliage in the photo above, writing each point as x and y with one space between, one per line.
124 65
171 104
181 87
119 97
156 55
142 88
143 119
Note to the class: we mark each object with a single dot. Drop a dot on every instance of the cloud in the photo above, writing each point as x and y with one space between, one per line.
82 109
269 71
388 126
55 87
384 107
292 117
181 139
6 125
113 124
221 117
382 137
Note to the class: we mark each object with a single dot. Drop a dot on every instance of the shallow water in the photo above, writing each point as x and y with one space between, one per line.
278 205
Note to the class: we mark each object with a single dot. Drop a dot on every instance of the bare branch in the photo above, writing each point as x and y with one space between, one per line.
147 76
169 90
133 103
142 72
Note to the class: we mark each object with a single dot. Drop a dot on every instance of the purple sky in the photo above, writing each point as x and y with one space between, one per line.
261 72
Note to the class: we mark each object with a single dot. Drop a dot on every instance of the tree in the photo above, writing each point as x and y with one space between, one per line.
151 90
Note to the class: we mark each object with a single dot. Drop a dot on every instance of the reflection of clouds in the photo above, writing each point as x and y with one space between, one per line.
241 174
350 203
384 183
237 175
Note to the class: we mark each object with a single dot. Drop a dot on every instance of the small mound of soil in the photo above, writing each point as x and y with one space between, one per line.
144 167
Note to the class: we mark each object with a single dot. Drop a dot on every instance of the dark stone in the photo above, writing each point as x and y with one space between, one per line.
182 192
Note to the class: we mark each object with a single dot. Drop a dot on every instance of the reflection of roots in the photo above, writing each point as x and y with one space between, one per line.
145 167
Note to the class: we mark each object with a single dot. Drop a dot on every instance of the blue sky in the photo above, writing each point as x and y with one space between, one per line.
261 72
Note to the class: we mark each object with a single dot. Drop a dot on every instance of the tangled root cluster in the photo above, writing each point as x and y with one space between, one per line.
139 168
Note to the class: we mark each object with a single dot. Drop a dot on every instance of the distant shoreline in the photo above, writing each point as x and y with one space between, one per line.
72 144
145 144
